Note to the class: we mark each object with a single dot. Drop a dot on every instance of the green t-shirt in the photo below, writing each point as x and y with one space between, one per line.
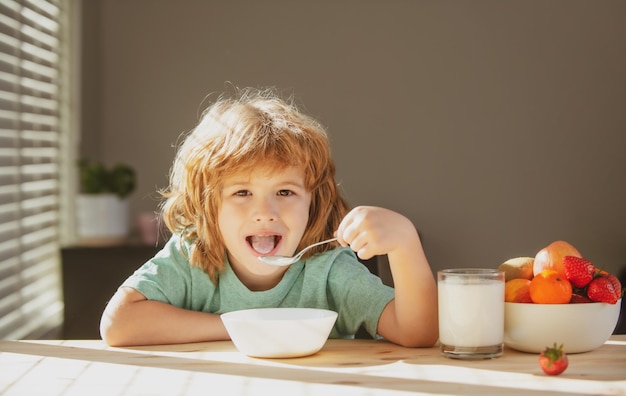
333 280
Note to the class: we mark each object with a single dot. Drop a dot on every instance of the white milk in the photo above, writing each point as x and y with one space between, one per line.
471 315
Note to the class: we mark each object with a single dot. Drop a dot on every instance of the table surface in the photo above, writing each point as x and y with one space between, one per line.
343 367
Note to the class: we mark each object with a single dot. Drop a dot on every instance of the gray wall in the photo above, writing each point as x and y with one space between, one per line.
496 126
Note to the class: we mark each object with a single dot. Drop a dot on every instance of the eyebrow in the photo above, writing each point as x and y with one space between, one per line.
287 182
296 183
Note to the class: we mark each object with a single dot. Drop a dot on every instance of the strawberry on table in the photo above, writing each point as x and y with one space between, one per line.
578 271
553 360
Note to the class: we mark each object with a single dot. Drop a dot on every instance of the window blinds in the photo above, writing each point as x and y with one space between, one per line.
30 134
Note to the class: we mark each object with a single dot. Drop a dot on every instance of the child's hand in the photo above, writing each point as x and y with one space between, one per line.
372 231
410 319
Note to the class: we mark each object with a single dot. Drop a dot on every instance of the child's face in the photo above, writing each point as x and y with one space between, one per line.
263 213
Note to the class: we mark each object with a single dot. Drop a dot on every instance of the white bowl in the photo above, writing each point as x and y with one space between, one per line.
279 332
579 327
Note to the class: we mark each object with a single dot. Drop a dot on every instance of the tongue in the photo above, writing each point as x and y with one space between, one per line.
263 244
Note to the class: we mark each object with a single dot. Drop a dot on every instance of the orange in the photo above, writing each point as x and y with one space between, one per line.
517 290
550 287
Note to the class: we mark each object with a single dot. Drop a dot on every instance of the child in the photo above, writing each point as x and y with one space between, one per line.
256 178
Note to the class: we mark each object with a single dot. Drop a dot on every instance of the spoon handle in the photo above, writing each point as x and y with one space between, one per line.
288 260
301 252
316 244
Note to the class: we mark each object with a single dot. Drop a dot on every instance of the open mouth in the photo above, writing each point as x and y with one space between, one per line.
263 244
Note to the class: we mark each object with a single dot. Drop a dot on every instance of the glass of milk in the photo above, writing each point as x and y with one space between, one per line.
471 313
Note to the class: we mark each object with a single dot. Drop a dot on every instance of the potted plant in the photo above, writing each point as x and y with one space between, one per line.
103 207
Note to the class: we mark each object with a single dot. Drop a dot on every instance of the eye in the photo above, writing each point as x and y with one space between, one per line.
242 193
285 193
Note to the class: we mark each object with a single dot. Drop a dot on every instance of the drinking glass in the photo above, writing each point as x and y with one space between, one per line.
471 313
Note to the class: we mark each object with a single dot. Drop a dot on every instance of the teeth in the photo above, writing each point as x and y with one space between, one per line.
263 244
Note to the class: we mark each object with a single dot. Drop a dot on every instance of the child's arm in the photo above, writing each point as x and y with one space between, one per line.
130 319
411 318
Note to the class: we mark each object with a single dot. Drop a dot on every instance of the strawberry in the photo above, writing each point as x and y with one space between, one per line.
578 271
613 279
553 361
579 299
602 289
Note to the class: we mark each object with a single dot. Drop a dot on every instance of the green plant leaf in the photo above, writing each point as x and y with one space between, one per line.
122 180
95 178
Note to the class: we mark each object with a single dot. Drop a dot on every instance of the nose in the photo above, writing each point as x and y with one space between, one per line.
265 210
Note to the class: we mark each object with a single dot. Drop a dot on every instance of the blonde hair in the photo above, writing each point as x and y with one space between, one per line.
237 134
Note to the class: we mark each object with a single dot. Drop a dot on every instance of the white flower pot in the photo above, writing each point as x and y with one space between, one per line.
102 219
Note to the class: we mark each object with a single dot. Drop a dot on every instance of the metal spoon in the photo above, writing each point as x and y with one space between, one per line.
282 261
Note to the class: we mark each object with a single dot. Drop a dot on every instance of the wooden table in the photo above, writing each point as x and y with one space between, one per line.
342 367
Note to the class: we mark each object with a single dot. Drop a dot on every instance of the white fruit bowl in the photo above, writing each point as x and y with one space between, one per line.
579 327
279 332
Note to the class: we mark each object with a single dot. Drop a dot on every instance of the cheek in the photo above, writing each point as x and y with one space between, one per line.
225 216
301 213
307 206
